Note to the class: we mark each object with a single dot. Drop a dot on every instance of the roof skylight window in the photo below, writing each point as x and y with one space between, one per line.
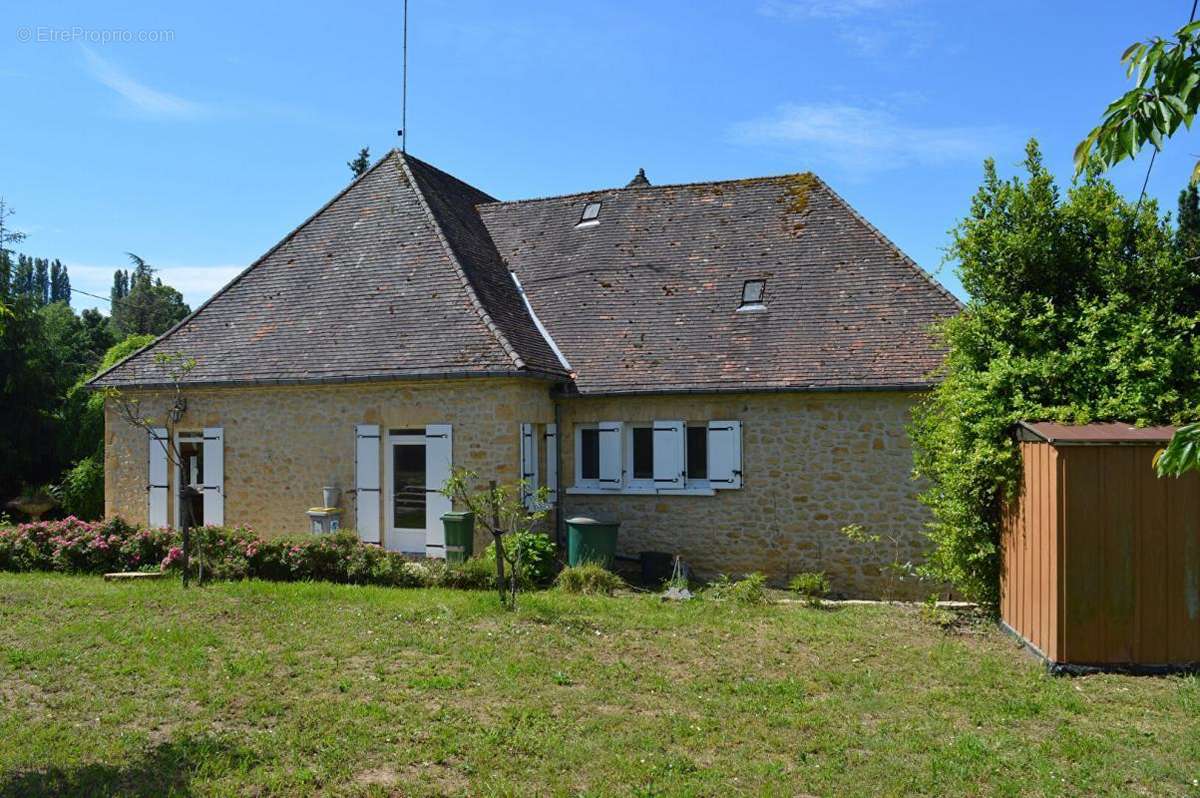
591 214
753 292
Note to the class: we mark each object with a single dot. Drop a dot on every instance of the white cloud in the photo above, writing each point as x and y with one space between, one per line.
196 283
908 37
139 96
870 28
827 9
860 140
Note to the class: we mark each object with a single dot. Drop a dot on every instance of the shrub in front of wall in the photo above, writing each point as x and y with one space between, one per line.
537 556
397 570
812 586
271 559
74 546
752 589
476 573
221 553
588 579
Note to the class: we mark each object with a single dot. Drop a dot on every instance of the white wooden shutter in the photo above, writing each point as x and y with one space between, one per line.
668 455
156 481
552 463
725 454
439 451
214 476
529 466
612 470
367 501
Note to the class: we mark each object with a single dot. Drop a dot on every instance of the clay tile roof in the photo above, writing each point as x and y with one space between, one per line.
406 273
395 277
647 299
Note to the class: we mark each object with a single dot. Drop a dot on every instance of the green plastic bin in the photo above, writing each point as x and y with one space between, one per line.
591 540
460 535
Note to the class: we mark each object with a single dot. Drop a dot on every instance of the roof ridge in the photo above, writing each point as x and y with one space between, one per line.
484 316
654 187
883 239
238 277
427 165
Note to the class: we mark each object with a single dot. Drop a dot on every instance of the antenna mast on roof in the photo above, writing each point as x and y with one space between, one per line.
403 131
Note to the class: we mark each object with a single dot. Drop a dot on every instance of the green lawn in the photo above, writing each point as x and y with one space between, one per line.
279 689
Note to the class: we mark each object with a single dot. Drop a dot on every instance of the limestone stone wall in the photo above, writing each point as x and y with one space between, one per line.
283 444
812 464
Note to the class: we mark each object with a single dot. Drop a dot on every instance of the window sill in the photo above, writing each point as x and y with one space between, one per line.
586 491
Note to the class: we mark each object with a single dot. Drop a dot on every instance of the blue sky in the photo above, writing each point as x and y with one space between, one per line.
214 128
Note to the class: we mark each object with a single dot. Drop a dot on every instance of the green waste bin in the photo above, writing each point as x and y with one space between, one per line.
591 540
460 535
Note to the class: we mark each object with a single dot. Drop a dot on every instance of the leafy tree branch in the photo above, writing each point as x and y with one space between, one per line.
1165 96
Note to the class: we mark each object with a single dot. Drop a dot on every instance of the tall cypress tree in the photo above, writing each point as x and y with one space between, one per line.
41 281
60 282
120 286
5 275
22 282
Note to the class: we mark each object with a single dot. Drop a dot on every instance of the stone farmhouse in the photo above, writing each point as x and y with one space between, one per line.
727 368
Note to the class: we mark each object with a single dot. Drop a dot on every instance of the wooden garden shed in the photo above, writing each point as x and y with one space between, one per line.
1101 557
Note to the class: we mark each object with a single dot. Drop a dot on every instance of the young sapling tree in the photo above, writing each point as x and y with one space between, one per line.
500 510
176 367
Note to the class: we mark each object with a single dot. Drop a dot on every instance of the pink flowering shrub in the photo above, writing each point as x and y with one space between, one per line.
74 546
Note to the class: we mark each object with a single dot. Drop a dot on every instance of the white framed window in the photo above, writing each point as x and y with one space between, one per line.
658 457
202 467
695 462
190 472
639 456
587 455
598 455
539 445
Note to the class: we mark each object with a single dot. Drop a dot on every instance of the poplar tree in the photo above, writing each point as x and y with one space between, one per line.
60 282
120 286
22 281
41 281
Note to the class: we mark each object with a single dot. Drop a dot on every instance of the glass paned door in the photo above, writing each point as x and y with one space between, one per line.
406 493
190 471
